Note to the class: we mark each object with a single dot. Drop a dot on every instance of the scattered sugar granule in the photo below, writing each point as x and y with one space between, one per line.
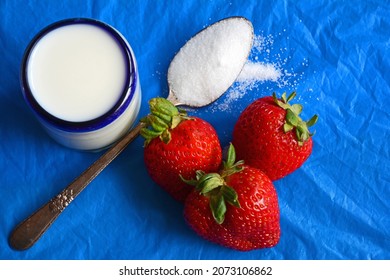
265 65
258 71
210 62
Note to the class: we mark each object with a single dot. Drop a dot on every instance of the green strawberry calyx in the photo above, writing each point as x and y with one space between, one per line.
163 117
293 120
213 185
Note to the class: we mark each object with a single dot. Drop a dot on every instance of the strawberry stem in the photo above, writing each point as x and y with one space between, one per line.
163 117
293 120
213 185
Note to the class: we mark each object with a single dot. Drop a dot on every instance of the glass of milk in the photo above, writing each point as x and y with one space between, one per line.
80 78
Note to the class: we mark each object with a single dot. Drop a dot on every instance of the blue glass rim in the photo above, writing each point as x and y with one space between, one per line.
101 121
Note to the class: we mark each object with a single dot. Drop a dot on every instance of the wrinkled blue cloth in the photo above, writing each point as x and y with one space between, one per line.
335 54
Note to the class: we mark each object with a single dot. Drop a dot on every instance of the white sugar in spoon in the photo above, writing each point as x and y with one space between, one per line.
203 69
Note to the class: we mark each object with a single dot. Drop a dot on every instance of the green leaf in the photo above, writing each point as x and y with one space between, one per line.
163 106
166 118
191 182
281 104
291 96
218 208
231 156
299 133
165 136
287 127
237 167
176 120
157 123
149 135
292 118
182 111
209 182
297 108
312 121
302 133
274 96
230 196
199 174
210 185
284 99
230 166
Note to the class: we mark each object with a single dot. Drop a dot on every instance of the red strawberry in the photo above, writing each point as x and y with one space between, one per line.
177 145
270 136
237 208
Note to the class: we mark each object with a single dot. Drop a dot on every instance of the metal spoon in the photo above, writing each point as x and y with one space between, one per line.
30 230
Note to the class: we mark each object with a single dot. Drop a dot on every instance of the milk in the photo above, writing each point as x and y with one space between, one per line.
77 72
80 78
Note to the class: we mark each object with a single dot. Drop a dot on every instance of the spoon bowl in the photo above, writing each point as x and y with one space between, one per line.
208 64
195 91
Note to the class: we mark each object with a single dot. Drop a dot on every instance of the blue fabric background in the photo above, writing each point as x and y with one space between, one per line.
336 206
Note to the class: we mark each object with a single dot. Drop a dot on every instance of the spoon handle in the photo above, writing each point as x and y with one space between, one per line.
30 230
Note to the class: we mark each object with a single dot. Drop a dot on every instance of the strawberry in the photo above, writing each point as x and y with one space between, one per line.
236 208
175 145
271 136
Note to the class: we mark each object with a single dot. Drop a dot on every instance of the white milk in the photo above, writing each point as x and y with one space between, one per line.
80 77
77 72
